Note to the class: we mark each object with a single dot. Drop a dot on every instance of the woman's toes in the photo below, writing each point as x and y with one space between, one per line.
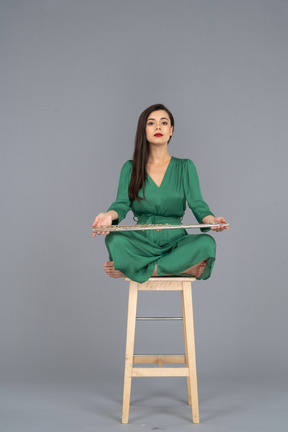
108 266
110 270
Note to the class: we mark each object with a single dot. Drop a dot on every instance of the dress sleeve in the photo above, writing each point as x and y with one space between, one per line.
122 204
193 194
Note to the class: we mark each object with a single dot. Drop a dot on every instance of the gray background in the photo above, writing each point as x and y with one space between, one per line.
75 76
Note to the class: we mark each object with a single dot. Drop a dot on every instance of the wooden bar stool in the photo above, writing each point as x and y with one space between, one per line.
182 284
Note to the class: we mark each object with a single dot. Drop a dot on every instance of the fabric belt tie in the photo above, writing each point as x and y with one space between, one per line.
154 219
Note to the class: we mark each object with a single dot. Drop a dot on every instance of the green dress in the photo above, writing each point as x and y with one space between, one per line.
135 253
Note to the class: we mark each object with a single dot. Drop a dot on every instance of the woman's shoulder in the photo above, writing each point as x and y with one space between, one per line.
126 168
184 162
127 165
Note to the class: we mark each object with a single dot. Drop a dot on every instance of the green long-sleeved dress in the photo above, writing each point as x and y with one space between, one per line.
136 253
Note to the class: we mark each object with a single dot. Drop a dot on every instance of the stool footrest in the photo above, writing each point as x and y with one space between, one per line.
158 318
156 358
160 371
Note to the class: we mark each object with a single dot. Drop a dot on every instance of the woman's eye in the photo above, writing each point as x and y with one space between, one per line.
165 123
150 123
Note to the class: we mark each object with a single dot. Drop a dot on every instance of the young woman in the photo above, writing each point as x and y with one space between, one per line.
156 187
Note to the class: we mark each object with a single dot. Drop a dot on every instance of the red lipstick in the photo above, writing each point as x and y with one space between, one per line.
158 135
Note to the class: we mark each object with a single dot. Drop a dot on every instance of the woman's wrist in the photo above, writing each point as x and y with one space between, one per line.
208 219
113 214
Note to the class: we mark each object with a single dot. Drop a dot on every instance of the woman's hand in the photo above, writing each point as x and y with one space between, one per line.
215 220
219 220
102 219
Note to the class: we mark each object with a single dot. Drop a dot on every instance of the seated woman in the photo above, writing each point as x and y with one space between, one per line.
156 187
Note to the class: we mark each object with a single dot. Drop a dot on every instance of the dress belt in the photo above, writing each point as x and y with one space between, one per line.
155 219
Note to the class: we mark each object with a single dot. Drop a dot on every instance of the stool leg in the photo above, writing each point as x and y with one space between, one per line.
131 323
189 326
186 352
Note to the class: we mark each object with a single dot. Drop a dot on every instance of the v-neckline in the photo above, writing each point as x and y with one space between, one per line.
158 187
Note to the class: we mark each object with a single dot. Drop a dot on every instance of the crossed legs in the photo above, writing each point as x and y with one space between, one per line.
195 270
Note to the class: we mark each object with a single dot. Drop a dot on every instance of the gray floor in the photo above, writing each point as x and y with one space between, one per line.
157 404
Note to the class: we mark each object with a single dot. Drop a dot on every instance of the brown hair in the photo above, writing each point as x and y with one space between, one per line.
141 152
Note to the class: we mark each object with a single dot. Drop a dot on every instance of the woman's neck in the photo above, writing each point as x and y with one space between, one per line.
158 154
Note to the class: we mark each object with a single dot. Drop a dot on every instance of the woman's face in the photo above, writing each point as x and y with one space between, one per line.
158 127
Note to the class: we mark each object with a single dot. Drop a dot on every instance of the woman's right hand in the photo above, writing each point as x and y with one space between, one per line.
102 219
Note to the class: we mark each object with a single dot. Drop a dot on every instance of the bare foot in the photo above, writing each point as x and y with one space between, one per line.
197 269
110 270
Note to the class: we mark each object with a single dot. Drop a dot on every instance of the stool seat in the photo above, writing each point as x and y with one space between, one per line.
162 283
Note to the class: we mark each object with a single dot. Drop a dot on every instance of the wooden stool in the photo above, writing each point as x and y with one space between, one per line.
182 284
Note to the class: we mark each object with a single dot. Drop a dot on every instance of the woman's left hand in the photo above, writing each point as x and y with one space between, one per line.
219 220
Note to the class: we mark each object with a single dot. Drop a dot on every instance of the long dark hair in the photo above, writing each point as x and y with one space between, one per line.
141 152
